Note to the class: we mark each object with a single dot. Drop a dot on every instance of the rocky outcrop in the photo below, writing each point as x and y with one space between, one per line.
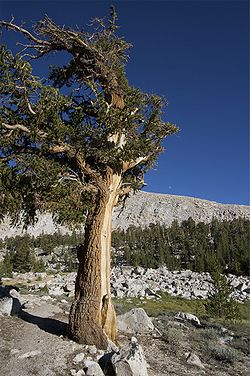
144 208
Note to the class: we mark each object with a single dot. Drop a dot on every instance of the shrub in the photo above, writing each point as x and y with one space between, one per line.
210 333
242 344
172 336
226 354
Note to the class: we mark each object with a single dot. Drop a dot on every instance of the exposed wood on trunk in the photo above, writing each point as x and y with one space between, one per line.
108 318
92 316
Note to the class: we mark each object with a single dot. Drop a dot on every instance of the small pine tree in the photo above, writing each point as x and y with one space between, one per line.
6 266
220 304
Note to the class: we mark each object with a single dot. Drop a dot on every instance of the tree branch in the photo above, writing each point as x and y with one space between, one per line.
132 164
10 25
16 126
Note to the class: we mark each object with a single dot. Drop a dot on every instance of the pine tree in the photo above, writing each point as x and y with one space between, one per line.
75 146
220 304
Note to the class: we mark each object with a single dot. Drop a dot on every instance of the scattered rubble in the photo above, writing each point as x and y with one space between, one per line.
129 282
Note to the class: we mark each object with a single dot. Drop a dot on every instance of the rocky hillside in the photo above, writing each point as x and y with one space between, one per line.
144 208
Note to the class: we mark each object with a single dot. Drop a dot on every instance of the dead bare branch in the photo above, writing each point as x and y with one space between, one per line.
136 162
30 108
10 25
16 126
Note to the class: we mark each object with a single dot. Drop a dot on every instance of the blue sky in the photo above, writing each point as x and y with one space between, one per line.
195 53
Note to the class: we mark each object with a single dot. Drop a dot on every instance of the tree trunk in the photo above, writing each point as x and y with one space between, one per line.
92 317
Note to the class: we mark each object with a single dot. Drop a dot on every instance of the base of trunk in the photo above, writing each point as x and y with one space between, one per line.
84 330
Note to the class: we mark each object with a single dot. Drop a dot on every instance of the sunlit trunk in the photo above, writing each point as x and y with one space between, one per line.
92 317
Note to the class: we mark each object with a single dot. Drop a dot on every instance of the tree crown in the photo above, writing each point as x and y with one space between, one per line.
62 138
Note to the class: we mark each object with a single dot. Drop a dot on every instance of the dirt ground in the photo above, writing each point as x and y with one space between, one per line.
35 343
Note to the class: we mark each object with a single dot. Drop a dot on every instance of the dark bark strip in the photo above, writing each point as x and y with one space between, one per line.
85 321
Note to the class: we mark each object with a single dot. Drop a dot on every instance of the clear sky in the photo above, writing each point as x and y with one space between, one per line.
195 53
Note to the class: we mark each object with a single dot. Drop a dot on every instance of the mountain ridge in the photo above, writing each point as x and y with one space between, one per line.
143 208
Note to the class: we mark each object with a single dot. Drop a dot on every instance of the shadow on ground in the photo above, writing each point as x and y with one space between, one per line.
49 325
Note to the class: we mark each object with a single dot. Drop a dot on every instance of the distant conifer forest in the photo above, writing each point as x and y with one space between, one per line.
186 245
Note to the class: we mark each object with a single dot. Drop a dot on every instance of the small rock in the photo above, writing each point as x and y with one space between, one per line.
100 354
28 305
78 358
30 354
194 360
14 351
64 301
187 316
15 294
57 291
69 287
130 360
9 306
151 293
92 350
92 368
73 372
112 347
80 373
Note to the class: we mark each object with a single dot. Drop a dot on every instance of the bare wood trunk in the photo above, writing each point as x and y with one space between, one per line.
92 316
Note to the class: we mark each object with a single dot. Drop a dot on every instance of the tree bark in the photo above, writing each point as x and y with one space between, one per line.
92 317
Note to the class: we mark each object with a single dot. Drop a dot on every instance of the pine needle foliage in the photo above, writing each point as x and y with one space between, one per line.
60 137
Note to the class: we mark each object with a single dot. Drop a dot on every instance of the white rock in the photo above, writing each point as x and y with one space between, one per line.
130 360
80 373
30 354
56 291
73 372
100 354
15 294
28 305
78 358
135 321
112 347
9 306
69 287
14 351
187 316
6 306
92 368
92 350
